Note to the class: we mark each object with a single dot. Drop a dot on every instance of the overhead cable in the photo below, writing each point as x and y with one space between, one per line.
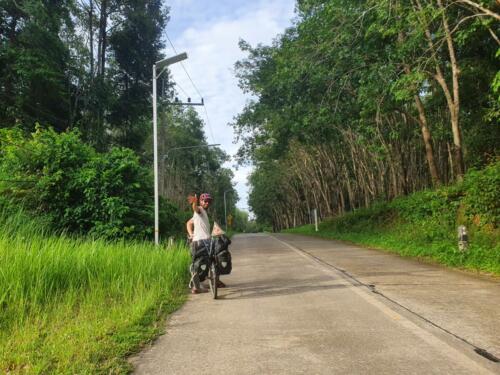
196 88
183 67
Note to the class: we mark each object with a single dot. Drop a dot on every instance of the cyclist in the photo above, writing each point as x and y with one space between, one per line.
198 228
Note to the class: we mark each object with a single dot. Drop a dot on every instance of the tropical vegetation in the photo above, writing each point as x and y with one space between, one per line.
366 101
81 285
76 120
424 224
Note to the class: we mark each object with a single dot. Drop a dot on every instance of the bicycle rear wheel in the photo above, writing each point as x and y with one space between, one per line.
213 279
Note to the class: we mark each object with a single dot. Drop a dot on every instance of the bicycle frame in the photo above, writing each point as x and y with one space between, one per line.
213 270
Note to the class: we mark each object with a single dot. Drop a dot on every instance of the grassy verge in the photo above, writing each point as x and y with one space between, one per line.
424 225
81 306
404 240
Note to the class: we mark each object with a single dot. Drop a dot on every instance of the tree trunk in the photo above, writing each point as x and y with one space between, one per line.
426 135
453 102
91 39
103 21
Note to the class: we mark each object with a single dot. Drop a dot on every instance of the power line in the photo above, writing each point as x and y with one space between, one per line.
196 88
208 123
178 85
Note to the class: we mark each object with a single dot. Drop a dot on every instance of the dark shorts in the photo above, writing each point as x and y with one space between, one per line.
198 247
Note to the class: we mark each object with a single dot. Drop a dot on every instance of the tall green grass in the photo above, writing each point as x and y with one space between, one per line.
80 305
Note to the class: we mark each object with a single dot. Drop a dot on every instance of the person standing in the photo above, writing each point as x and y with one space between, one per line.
198 228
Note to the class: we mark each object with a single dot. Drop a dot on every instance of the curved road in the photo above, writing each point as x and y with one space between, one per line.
301 305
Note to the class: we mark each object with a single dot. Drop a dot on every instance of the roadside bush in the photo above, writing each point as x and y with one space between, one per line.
78 190
111 196
482 196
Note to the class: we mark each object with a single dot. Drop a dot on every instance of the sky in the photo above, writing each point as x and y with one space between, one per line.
209 31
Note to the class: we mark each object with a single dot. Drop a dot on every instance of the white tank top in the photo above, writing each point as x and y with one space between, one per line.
201 226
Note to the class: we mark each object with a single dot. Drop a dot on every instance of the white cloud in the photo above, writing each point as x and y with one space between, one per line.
212 46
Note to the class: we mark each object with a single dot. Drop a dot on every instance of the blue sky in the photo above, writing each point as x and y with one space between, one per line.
209 32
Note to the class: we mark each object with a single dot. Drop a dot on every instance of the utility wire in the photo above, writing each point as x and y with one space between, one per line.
196 88
171 80
208 123
179 86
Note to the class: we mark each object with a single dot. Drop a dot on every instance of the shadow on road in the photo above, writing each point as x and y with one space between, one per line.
263 291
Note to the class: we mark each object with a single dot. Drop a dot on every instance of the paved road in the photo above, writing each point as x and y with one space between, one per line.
300 305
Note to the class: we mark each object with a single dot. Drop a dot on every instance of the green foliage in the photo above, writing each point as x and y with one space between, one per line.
404 88
240 221
81 64
34 63
135 42
482 196
116 196
79 190
172 219
254 227
495 85
478 197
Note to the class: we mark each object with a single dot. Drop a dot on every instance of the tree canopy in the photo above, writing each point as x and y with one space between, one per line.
81 72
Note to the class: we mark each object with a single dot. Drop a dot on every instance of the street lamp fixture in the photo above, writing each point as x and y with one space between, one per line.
171 60
162 64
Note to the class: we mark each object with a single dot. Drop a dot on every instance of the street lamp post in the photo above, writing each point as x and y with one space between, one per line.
162 66
225 212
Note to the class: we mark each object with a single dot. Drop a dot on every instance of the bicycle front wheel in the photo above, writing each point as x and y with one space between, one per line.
213 280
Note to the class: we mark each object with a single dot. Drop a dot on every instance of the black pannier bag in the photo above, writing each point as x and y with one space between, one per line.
223 255
200 262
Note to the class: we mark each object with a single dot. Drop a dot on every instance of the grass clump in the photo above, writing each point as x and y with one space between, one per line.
424 224
80 305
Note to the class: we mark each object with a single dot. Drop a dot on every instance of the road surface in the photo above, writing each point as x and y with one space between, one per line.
302 305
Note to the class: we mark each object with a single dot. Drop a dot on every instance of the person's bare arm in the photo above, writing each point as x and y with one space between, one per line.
190 227
193 201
